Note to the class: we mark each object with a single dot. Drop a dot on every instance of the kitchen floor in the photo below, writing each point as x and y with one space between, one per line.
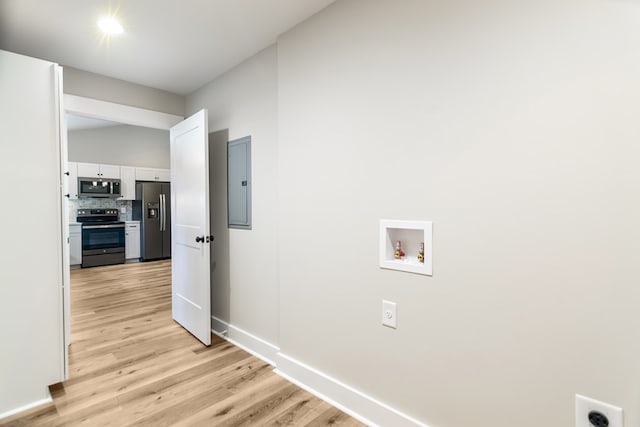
131 364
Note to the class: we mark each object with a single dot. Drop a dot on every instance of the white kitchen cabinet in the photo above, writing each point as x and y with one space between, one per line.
146 174
75 244
132 239
72 180
96 170
152 174
128 182
164 175
88 170
110 171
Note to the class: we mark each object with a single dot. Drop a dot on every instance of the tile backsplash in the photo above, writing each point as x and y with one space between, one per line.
98 203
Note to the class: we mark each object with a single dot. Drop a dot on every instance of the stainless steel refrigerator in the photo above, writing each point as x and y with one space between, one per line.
152 208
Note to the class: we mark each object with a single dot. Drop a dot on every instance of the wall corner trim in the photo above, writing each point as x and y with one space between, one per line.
344 397
27 406
257 346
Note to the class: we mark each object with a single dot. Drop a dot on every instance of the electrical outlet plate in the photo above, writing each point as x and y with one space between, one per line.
389 314
584 405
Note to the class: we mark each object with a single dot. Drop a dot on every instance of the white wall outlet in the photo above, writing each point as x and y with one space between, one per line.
593 413
389 314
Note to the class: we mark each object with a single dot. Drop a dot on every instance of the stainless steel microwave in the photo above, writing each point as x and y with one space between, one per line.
96 187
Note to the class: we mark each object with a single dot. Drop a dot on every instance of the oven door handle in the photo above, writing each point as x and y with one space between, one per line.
96 227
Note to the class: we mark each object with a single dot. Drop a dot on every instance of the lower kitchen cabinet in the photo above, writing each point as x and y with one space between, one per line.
75 244
132 240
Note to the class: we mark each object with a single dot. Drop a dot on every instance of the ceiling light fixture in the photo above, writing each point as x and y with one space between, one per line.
110 26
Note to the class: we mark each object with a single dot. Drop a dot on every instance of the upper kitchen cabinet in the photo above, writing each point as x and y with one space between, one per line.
72 180
94 170
151 174
164 175
128 182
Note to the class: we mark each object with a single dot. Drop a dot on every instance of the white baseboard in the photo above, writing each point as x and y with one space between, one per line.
257 346
27 406
353 402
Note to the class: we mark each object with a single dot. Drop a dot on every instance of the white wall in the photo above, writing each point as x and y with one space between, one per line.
120 145
514 127
511 126
96 86
244 279
31 261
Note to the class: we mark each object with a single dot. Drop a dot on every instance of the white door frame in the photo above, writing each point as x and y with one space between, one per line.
96 109
119 113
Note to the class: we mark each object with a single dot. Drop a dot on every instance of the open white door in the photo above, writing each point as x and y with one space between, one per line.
66 282
190 236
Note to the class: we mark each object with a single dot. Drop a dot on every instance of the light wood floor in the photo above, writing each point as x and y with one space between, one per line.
131 364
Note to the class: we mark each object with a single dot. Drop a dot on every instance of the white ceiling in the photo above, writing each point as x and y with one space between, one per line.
175 45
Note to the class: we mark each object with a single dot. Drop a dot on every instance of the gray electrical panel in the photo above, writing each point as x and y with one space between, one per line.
239 183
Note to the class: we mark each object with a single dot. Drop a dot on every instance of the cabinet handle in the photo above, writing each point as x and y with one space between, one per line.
67 195
66 173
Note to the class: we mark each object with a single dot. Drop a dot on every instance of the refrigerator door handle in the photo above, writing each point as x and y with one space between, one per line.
160 211
164 212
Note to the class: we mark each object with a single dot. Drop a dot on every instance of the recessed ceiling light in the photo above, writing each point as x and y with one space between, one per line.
109 25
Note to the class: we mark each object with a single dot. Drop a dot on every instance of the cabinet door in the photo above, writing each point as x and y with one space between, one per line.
134 236
75 245
72 180
88 170
132 241
163 175
128 182
127 243
110 171
145 174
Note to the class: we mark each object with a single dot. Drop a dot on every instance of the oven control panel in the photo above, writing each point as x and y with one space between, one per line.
92 212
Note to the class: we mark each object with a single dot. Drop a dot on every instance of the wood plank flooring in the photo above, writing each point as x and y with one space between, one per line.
131 364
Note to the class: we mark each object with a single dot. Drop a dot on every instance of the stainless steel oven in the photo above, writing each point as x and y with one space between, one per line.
103 240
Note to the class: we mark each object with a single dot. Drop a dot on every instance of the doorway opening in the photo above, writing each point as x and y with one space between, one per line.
183 149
